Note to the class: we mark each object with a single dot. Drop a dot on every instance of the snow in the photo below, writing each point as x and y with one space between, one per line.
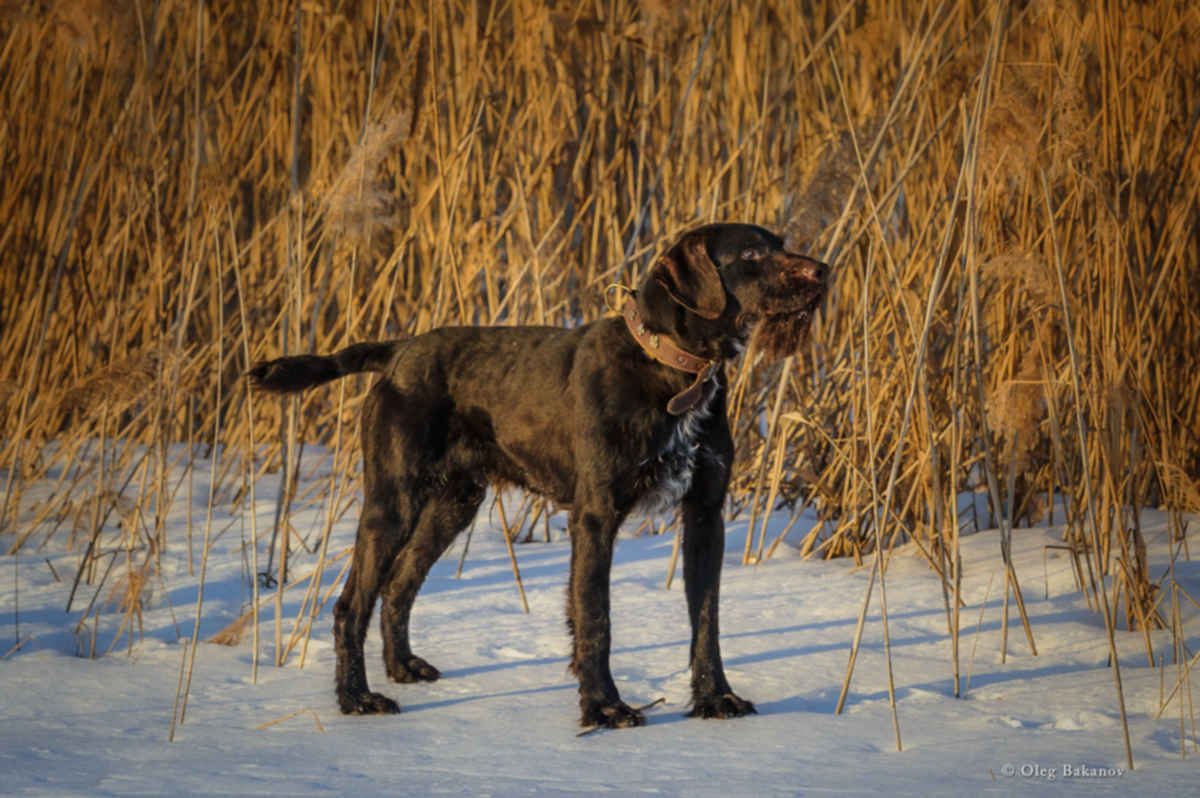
502 720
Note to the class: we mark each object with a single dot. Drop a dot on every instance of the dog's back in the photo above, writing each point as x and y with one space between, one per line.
506 396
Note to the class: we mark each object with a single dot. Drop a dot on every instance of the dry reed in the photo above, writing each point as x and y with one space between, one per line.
351 171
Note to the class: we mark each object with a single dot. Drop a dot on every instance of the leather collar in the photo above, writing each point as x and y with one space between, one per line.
667 352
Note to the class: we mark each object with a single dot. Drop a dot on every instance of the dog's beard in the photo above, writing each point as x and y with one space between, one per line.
782 327
778 335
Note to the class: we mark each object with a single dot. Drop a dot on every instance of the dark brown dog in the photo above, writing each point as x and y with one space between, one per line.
612 417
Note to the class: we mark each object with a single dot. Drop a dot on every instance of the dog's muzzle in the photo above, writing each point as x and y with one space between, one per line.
783 316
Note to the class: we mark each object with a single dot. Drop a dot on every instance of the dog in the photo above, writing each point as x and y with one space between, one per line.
623 415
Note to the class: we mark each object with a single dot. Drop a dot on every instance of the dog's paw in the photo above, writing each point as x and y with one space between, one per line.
367 704
724 705
413 669
611 715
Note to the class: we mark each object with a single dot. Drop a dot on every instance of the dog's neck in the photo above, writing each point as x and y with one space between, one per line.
664 350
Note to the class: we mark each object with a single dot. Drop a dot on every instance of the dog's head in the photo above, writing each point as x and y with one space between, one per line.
723 285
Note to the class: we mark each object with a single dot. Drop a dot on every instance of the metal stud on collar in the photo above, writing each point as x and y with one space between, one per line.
658 346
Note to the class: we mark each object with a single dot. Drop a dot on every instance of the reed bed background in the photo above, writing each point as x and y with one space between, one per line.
1007 194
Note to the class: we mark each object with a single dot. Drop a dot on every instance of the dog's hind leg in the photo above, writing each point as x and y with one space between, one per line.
392 503
374 550
444 515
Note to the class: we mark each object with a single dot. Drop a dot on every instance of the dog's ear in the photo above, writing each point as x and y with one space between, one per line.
691 278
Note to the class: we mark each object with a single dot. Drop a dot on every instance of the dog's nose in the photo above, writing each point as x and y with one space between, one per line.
813 270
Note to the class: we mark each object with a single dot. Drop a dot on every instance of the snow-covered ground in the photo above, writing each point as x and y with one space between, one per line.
502 720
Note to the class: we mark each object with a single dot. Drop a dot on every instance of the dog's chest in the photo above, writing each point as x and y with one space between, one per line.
664 478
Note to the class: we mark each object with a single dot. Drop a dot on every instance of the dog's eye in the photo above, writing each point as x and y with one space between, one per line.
752 254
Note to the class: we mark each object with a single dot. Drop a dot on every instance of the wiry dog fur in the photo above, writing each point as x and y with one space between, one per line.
576 415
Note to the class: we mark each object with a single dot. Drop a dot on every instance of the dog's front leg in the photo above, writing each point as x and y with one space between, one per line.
593 534
703 551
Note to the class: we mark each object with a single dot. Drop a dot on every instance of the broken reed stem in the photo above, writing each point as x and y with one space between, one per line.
336 493
289 716
772 426
773 490
17 647
1180 652
96 521
880 564
95 536
1006 542
858 629
231 634
1004 618
466 545
17 598
955 553
190 651
796 513
512 555
978 629
191 470
178 692
129 530
674 555
249 461
955 529
1183 666
282 534
112 558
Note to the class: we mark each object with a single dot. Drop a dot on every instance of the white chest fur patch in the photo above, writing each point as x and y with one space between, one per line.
666 478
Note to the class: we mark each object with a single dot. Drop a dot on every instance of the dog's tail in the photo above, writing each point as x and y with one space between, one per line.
297 372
